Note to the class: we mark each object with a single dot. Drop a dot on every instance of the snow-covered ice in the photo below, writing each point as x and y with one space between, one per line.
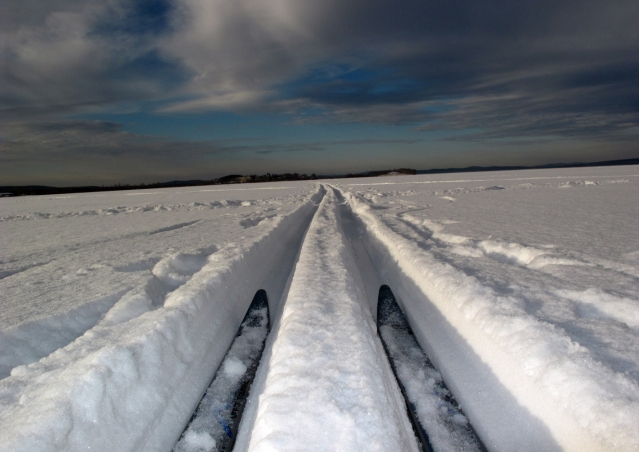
483 281
523 288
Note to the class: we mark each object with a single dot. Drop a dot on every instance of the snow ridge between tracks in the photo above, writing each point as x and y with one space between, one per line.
328 384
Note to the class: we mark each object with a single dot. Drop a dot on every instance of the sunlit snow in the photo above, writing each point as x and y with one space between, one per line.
522 287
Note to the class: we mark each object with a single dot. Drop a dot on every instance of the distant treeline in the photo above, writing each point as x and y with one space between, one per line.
471 169
26 190
231 179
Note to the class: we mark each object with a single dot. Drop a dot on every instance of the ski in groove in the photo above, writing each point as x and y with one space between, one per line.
215 422
437 419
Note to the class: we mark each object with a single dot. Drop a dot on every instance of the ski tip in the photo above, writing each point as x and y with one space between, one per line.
386 304
260 301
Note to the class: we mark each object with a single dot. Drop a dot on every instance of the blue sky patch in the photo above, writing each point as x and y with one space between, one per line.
141 17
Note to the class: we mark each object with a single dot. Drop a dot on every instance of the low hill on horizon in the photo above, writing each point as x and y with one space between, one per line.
35 190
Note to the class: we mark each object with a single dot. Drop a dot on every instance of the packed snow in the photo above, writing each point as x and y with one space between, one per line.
116 310
326 356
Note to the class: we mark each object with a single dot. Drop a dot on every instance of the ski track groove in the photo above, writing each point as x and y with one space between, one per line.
329 332
174 227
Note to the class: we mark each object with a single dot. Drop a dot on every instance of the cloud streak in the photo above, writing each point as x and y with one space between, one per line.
81 146
491 70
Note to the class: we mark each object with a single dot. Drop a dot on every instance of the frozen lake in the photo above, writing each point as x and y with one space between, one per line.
522 286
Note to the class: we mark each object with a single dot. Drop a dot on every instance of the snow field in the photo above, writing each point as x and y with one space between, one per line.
328 384
130 203
576 402
522 287
59 276
150 371
28 342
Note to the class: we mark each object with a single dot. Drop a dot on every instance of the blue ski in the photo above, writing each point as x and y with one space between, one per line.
215 422
437 419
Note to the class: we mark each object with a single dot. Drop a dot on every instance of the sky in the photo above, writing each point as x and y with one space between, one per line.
140 91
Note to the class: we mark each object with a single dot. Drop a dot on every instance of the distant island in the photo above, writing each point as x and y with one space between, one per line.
30 190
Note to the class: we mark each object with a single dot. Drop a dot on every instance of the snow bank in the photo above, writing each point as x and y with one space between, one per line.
328 385
131 385
533 387
29 341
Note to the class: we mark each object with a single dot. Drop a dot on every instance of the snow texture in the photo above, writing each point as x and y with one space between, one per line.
132 385
522 287
328 386
533 368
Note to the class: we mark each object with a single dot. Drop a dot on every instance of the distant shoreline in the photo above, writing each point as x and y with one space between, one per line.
472 169
36 190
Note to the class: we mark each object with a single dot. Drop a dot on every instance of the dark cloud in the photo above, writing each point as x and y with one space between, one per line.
28 13
490 70
332 55
551 68
68 152
95 54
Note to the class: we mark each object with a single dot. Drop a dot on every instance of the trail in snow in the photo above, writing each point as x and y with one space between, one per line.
473 315
328 385
26 343
81 269
131 385
522 288
153 208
